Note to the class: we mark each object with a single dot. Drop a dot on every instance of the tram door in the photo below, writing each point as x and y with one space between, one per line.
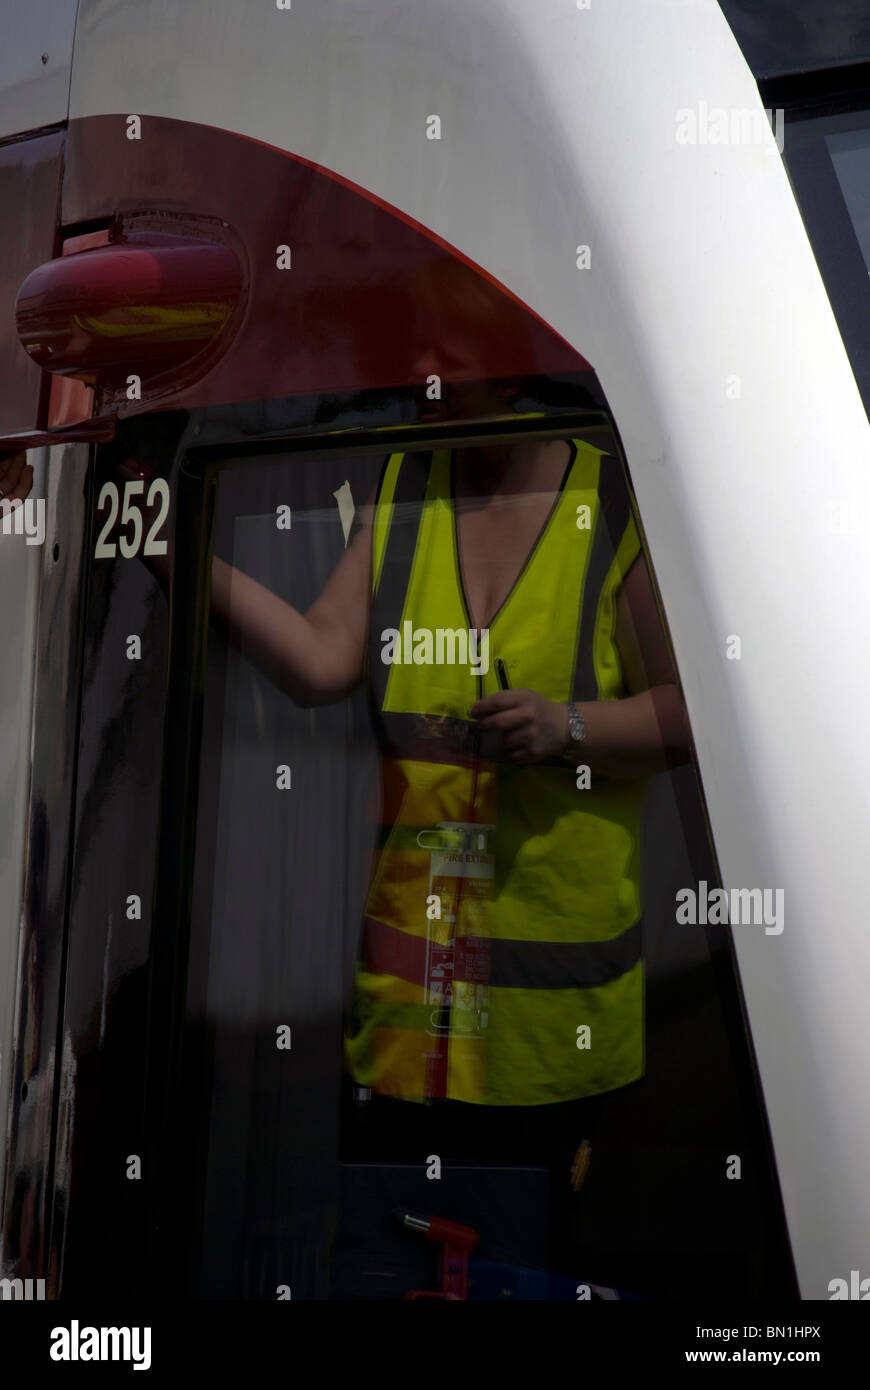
338 967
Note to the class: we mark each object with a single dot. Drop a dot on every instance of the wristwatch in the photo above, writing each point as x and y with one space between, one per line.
576 727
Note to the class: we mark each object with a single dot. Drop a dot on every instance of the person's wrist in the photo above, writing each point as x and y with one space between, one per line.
564 733
561 734
575 729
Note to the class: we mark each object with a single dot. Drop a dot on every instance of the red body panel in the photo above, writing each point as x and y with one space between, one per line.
370 299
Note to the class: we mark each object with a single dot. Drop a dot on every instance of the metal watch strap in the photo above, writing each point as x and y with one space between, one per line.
576 726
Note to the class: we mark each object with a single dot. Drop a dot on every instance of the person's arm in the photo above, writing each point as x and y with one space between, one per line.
648 730
317 657
637 736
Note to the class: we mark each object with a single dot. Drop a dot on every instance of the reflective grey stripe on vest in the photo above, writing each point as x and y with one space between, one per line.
563 965
525 965
400 544
428 738
612 517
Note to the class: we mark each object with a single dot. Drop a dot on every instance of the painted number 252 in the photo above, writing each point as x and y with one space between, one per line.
131 516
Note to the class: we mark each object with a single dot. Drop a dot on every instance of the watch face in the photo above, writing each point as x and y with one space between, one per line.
575 725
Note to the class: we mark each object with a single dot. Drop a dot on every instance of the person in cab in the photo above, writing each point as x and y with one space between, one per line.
497 605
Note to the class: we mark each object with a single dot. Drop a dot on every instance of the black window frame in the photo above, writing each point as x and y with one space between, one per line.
172 1144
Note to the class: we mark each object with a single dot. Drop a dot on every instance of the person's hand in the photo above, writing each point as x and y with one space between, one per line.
532 727
16 476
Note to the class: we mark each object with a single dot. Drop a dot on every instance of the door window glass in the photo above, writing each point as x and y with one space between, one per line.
440 998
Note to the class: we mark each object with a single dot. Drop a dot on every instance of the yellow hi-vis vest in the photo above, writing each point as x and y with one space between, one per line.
501 951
